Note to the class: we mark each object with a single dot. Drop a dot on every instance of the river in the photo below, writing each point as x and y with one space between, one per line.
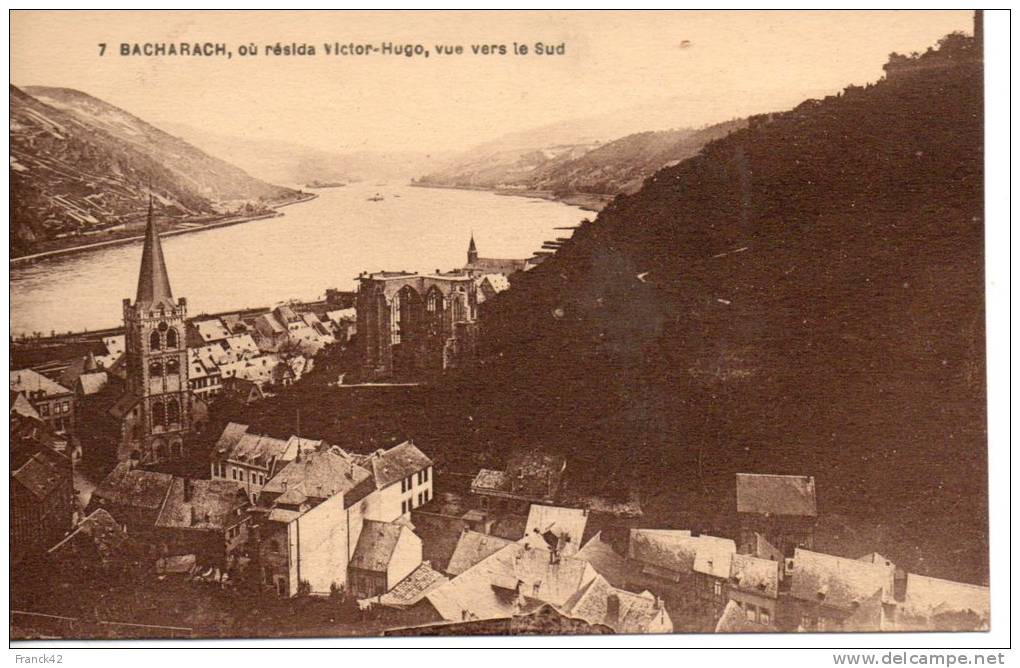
319 244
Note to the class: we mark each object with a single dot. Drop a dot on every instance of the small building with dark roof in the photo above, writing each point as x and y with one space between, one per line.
133 496
781 508
387 552
530 477
207 518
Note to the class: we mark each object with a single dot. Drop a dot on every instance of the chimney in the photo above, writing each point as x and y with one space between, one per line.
613 609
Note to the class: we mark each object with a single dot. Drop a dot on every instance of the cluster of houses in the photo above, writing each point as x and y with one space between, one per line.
512 552
250 356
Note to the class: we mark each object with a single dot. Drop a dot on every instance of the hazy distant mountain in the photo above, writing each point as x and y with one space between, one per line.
296 164
619 166
78 164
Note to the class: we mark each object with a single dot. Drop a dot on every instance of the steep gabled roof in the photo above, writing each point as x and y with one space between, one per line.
565 523
400 461
473 547
213 504
753 574
134 487
30 382
376 546
599 602
316 476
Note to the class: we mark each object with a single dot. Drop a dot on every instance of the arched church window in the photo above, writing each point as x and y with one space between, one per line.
158 414
173 411
154 341
156 368
171 338
172 366
435 301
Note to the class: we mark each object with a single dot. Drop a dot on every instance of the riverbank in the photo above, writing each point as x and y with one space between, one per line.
594 202
191 227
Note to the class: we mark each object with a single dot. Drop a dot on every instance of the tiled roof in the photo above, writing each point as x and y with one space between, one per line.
606 561
231 435
414 587
376 545
488 479
713 555
927 597
837 581
22 406
565 523
734 620
92 383
214 504
397 463
776 494
472 548
211 330
104 531
257 450
487 589
755 575
32 382
123 406
668 549
623 611
134 487
319 475
41 474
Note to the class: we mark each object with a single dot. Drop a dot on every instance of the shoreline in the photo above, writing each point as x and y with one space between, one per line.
276 213
586 201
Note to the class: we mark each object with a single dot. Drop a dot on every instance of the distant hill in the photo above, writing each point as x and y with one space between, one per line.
79 165
604 168
292 163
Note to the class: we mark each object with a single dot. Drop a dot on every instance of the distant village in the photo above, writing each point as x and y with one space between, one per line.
98 495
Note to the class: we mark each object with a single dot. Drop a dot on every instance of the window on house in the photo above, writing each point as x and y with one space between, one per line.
44 409
426 474
764 617
752 613
717 587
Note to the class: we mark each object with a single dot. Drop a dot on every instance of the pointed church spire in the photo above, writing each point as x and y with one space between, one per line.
153 282
472 255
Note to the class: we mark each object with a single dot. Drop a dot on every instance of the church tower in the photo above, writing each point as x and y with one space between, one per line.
472 251
156 410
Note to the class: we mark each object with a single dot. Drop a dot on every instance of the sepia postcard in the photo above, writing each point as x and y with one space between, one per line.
517 323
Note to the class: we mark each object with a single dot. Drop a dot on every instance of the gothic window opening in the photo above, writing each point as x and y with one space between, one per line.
173 411
435 301
171 338
172 366
156 368
158 414
154 341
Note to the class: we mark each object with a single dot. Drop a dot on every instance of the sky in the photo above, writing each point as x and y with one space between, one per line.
714 65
